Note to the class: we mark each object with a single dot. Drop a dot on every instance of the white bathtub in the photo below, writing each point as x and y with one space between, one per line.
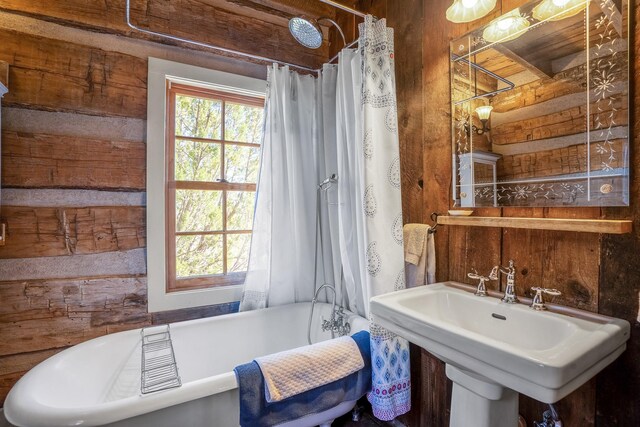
98 382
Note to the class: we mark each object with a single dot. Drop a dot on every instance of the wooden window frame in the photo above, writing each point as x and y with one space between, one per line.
173 283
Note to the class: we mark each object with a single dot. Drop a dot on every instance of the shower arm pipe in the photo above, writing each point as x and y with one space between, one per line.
335 24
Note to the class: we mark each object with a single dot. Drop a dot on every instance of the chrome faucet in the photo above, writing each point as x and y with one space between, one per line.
336 323
481 291
510 291
538 303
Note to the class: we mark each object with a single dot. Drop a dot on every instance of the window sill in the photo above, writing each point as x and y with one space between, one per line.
161 300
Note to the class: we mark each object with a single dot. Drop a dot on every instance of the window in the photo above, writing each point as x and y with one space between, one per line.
213 141
203 149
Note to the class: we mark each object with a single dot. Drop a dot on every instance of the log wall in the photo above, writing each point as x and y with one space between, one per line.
598 273
78 94
74 155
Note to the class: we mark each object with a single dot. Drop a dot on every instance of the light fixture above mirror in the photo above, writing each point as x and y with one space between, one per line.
507 27
555 10
469 10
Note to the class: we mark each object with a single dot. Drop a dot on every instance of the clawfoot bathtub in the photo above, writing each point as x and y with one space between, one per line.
98 382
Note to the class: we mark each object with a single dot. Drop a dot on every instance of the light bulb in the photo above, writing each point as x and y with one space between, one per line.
469 10
505 23
484 112
555 10
509 26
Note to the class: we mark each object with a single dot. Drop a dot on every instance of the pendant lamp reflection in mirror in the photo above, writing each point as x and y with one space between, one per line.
509 26
555 10
469 10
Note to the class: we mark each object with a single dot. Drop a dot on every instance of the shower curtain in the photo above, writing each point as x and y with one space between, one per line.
345 123
282 257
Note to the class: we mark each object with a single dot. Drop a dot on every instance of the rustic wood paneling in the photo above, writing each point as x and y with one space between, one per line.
74 153
41 315
15 366
94 81
121 263
435 169
4 73
435 399
561 123
53 161
572 159
236 25
572 262
408 24
37 232
70 198
72 125
193 313
620 284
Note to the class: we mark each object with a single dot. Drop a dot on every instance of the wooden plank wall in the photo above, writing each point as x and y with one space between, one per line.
73 156
594 272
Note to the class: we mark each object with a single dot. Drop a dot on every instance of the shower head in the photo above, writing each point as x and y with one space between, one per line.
307 32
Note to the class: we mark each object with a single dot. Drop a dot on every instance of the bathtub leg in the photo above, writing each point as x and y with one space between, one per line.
356 413
327 424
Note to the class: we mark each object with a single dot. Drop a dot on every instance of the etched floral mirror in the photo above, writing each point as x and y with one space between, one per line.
540 107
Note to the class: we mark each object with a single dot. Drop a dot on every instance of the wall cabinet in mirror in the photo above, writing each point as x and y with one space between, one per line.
543 90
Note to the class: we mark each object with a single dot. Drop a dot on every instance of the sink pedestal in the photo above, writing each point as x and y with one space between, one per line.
478 402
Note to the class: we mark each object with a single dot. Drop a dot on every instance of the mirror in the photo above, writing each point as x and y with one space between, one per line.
540 107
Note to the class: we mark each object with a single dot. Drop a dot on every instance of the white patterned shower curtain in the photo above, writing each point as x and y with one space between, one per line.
377 211
350 126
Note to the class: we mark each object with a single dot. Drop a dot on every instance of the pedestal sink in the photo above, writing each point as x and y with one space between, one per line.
494 351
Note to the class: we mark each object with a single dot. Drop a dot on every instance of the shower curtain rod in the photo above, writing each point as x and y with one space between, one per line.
343 7
236 52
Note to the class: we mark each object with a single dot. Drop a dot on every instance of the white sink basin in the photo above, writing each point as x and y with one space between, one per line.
544 355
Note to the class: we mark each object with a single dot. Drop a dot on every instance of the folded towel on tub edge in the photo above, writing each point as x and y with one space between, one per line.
255 411
295 371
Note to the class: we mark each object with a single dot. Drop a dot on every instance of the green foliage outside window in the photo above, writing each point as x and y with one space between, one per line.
202 161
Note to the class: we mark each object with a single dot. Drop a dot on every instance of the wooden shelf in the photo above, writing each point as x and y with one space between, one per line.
559 224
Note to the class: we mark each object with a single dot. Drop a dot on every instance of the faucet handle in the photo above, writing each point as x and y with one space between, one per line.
538 302
482 289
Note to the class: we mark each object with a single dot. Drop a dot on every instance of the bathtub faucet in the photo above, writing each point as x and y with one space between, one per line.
337 323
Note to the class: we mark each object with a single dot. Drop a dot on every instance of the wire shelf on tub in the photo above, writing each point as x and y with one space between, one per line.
159 369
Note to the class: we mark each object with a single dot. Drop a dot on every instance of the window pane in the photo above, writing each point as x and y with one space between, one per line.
240 205
197 161
198 117
198 210
238 246
241 163
198 255
243 123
